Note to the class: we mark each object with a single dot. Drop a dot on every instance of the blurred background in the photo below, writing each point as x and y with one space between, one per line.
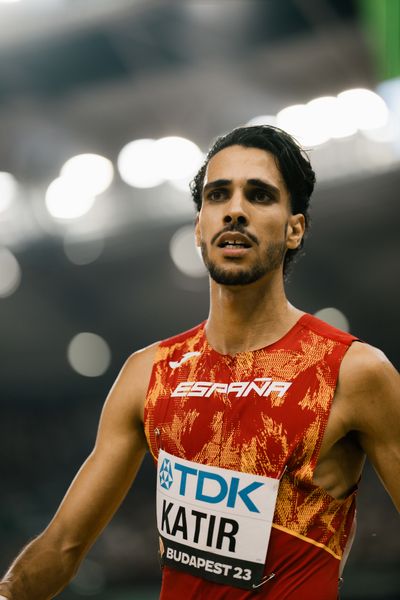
106 110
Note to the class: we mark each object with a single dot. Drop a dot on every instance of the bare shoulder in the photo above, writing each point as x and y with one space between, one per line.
138 366
365 360
369 384
369 404
364 366
130 387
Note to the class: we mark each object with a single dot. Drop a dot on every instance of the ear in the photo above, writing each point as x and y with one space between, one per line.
295 231
197 232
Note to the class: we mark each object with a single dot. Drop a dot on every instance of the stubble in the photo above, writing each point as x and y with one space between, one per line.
271 260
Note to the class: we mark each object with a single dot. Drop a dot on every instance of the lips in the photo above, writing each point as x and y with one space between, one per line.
233 240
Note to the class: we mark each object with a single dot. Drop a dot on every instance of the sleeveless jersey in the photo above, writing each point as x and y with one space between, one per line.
262 412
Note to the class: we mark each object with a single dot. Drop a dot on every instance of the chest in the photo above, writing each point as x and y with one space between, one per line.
259 413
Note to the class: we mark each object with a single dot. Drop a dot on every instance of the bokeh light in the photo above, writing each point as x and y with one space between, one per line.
89 354
293 119
66 199
334 317
262 120
332 117
316 122
177 158
388 133
8 190
137 164
340 122
147 163
93 173
327 121
367 109
183 185
184 253
301 121
10 273
83 251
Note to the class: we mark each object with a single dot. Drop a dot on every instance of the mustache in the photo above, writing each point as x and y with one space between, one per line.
239 228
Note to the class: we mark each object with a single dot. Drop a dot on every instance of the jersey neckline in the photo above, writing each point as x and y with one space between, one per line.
299 324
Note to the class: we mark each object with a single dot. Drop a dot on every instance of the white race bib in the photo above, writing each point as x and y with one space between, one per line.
215 523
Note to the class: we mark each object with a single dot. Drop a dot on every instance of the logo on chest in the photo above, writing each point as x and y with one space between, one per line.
166 477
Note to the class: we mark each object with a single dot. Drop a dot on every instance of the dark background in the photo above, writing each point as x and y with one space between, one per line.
80 76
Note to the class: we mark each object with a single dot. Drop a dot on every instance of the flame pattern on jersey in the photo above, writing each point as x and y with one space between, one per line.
275 435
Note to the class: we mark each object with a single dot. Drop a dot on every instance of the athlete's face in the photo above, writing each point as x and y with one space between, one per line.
245 224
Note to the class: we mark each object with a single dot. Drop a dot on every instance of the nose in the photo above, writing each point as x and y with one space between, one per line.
236 210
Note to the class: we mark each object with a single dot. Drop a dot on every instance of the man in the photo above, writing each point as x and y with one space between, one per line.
259 418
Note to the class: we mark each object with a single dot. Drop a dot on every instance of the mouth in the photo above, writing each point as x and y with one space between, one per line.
234 241
234 245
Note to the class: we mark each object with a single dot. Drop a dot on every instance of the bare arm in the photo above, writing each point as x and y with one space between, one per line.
48 563
372 387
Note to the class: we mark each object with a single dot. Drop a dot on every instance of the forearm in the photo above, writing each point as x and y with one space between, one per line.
48 563
41 571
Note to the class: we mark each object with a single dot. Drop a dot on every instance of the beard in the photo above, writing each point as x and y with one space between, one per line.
271 260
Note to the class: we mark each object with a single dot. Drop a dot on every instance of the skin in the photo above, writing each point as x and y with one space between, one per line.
365 417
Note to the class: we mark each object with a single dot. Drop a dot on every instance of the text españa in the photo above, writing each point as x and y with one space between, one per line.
262 386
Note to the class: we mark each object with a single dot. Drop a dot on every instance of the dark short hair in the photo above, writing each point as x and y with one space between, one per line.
291 160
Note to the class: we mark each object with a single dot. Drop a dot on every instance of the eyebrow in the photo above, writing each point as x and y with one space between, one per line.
254 182
264 185
217 183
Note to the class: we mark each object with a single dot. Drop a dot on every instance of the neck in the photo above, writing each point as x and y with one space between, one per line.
244 318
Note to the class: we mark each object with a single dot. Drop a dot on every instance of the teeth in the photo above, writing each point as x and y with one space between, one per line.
233 244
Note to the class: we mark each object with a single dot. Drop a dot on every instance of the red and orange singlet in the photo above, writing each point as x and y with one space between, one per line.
261 413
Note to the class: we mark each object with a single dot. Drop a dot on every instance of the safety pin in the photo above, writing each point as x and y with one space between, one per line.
157 438
264 580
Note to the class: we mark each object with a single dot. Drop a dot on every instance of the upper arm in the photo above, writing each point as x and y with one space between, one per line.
371 387
106 476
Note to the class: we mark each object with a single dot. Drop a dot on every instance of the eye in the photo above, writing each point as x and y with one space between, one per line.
217 195
260 195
